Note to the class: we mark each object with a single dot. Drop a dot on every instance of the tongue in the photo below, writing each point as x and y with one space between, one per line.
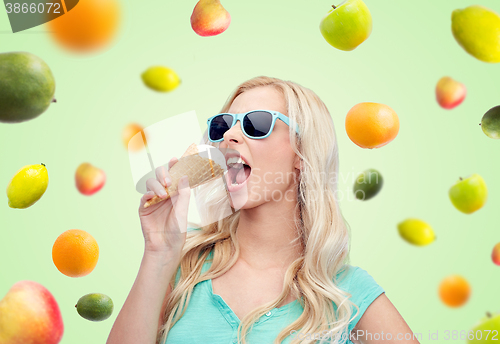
241 176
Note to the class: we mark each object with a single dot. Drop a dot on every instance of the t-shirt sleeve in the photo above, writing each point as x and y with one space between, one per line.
364 291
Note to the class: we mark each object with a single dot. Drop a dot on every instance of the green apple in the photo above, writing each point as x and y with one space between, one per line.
486 330
469 194
347 25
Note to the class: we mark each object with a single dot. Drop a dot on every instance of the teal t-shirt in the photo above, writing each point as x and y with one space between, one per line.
208 319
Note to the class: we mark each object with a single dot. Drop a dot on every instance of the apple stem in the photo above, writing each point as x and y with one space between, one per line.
488 314
479 123
334 7
460 178
42 163
54 100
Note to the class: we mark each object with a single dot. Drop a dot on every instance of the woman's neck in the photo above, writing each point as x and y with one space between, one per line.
265 234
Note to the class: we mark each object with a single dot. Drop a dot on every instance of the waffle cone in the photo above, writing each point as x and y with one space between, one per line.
199 170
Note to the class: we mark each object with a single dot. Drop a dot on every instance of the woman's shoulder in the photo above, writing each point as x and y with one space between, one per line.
361 286
355 278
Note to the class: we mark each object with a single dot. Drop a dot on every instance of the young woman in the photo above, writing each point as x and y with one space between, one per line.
276 270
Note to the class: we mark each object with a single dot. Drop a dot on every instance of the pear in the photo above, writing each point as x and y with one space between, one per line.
347 25
477 29
489 324
210 18
470 194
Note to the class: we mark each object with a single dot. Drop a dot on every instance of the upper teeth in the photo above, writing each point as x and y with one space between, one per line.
235 160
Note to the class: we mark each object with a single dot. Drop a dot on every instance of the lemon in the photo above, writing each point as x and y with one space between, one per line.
161 79
27 186
416 232
477 29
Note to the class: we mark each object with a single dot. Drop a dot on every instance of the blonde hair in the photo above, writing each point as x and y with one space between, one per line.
321 229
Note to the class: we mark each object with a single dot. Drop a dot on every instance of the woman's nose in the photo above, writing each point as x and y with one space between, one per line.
234 133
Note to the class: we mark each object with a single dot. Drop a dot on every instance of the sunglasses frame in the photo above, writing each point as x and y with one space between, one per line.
241 116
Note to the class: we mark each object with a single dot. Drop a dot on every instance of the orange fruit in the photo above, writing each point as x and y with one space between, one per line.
89 26
128 133
454 291
371 125
75 253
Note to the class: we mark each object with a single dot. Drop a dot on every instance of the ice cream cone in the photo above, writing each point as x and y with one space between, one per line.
198 169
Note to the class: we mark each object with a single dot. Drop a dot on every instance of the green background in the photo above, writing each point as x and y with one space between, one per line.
411 47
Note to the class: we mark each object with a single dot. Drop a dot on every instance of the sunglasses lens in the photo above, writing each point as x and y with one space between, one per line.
219 125
258 123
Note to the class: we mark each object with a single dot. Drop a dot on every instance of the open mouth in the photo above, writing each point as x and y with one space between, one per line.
238 171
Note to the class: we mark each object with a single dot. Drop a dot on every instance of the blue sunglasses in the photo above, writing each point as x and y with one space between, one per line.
256 124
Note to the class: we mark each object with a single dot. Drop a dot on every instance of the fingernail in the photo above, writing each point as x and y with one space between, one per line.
163 193
167 181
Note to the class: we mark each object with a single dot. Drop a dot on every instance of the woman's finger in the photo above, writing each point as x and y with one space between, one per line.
161 175
146 197
165 205
155 186
172 162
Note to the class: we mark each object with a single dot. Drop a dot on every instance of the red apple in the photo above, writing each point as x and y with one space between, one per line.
450 93
89 179
495 254
210 18
30 314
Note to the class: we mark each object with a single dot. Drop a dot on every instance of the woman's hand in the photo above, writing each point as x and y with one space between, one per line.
164 224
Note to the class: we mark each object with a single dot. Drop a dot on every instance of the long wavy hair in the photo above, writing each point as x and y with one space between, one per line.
321 229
